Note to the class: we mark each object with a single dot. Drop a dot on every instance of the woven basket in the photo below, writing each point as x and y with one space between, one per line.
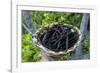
49 52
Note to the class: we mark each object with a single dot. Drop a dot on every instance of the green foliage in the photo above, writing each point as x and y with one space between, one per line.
30 52
61 57
66 56
44 18
86 44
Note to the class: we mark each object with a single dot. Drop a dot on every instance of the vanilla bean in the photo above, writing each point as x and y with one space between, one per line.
59 37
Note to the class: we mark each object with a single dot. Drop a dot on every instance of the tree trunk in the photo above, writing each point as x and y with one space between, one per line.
27 22
83 29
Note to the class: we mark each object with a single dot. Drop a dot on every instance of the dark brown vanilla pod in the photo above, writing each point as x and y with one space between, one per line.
58 37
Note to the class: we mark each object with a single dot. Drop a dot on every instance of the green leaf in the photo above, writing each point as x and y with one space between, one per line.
30 52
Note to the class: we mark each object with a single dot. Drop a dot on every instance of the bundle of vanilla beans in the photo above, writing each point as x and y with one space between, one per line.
58 37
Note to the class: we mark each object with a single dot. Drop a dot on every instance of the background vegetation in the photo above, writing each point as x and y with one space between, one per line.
30 52
43 18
